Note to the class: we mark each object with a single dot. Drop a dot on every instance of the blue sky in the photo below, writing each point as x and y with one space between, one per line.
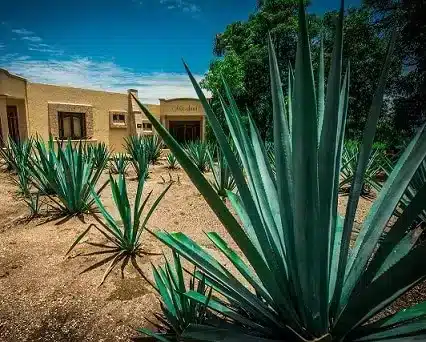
119 44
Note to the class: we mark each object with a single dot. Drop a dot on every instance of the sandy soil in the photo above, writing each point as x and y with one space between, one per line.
43 297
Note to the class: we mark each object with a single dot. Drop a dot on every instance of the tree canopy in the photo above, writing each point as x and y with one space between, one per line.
241 59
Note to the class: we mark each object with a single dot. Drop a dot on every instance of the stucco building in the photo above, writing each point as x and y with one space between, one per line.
31 109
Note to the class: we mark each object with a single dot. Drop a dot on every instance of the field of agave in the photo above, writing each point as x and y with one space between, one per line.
280 260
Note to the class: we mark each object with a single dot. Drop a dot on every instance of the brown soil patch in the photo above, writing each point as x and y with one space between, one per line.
43 297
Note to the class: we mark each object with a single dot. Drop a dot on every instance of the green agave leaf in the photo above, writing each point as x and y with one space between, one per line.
412 314
209 333
149 333
338 303
224 310
305 181
388 250
383 208
239 264
398 279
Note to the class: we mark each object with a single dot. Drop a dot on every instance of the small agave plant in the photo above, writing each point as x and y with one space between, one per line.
223 181
300 279
124 235
172 162
119 164
179 311
136 148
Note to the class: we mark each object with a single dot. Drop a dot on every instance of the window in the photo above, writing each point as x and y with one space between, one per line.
147 126
72 126
118 118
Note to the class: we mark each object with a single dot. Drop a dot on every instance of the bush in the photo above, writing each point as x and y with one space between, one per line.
299 278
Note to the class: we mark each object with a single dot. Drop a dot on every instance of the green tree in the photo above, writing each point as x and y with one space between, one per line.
407 17
363 46
242 58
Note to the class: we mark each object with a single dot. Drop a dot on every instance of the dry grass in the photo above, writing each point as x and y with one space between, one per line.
45 298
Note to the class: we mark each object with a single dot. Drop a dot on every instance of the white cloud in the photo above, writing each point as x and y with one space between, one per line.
108 76
185 6
45 48
32 39
22 32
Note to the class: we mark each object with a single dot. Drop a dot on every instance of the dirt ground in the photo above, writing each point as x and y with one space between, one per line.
43 296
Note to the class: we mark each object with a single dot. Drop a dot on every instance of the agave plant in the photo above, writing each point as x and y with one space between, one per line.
8 156
124 235
99 153
18 155
153 146
348 168
178 310
223 180
135 147
119 164
172 162
303 281
198 151
68 173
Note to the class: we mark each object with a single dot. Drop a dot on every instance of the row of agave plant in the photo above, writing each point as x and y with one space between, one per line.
66 172
297 275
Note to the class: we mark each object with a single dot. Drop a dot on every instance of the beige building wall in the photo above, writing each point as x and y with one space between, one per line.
37 106
101 103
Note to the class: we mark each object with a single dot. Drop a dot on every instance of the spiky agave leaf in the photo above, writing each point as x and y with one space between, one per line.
123 235
68 173
179 310
306 282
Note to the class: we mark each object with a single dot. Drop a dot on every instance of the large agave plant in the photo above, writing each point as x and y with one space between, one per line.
67 173
300 279
124 236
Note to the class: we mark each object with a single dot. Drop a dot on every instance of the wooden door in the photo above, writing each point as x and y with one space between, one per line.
12 120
